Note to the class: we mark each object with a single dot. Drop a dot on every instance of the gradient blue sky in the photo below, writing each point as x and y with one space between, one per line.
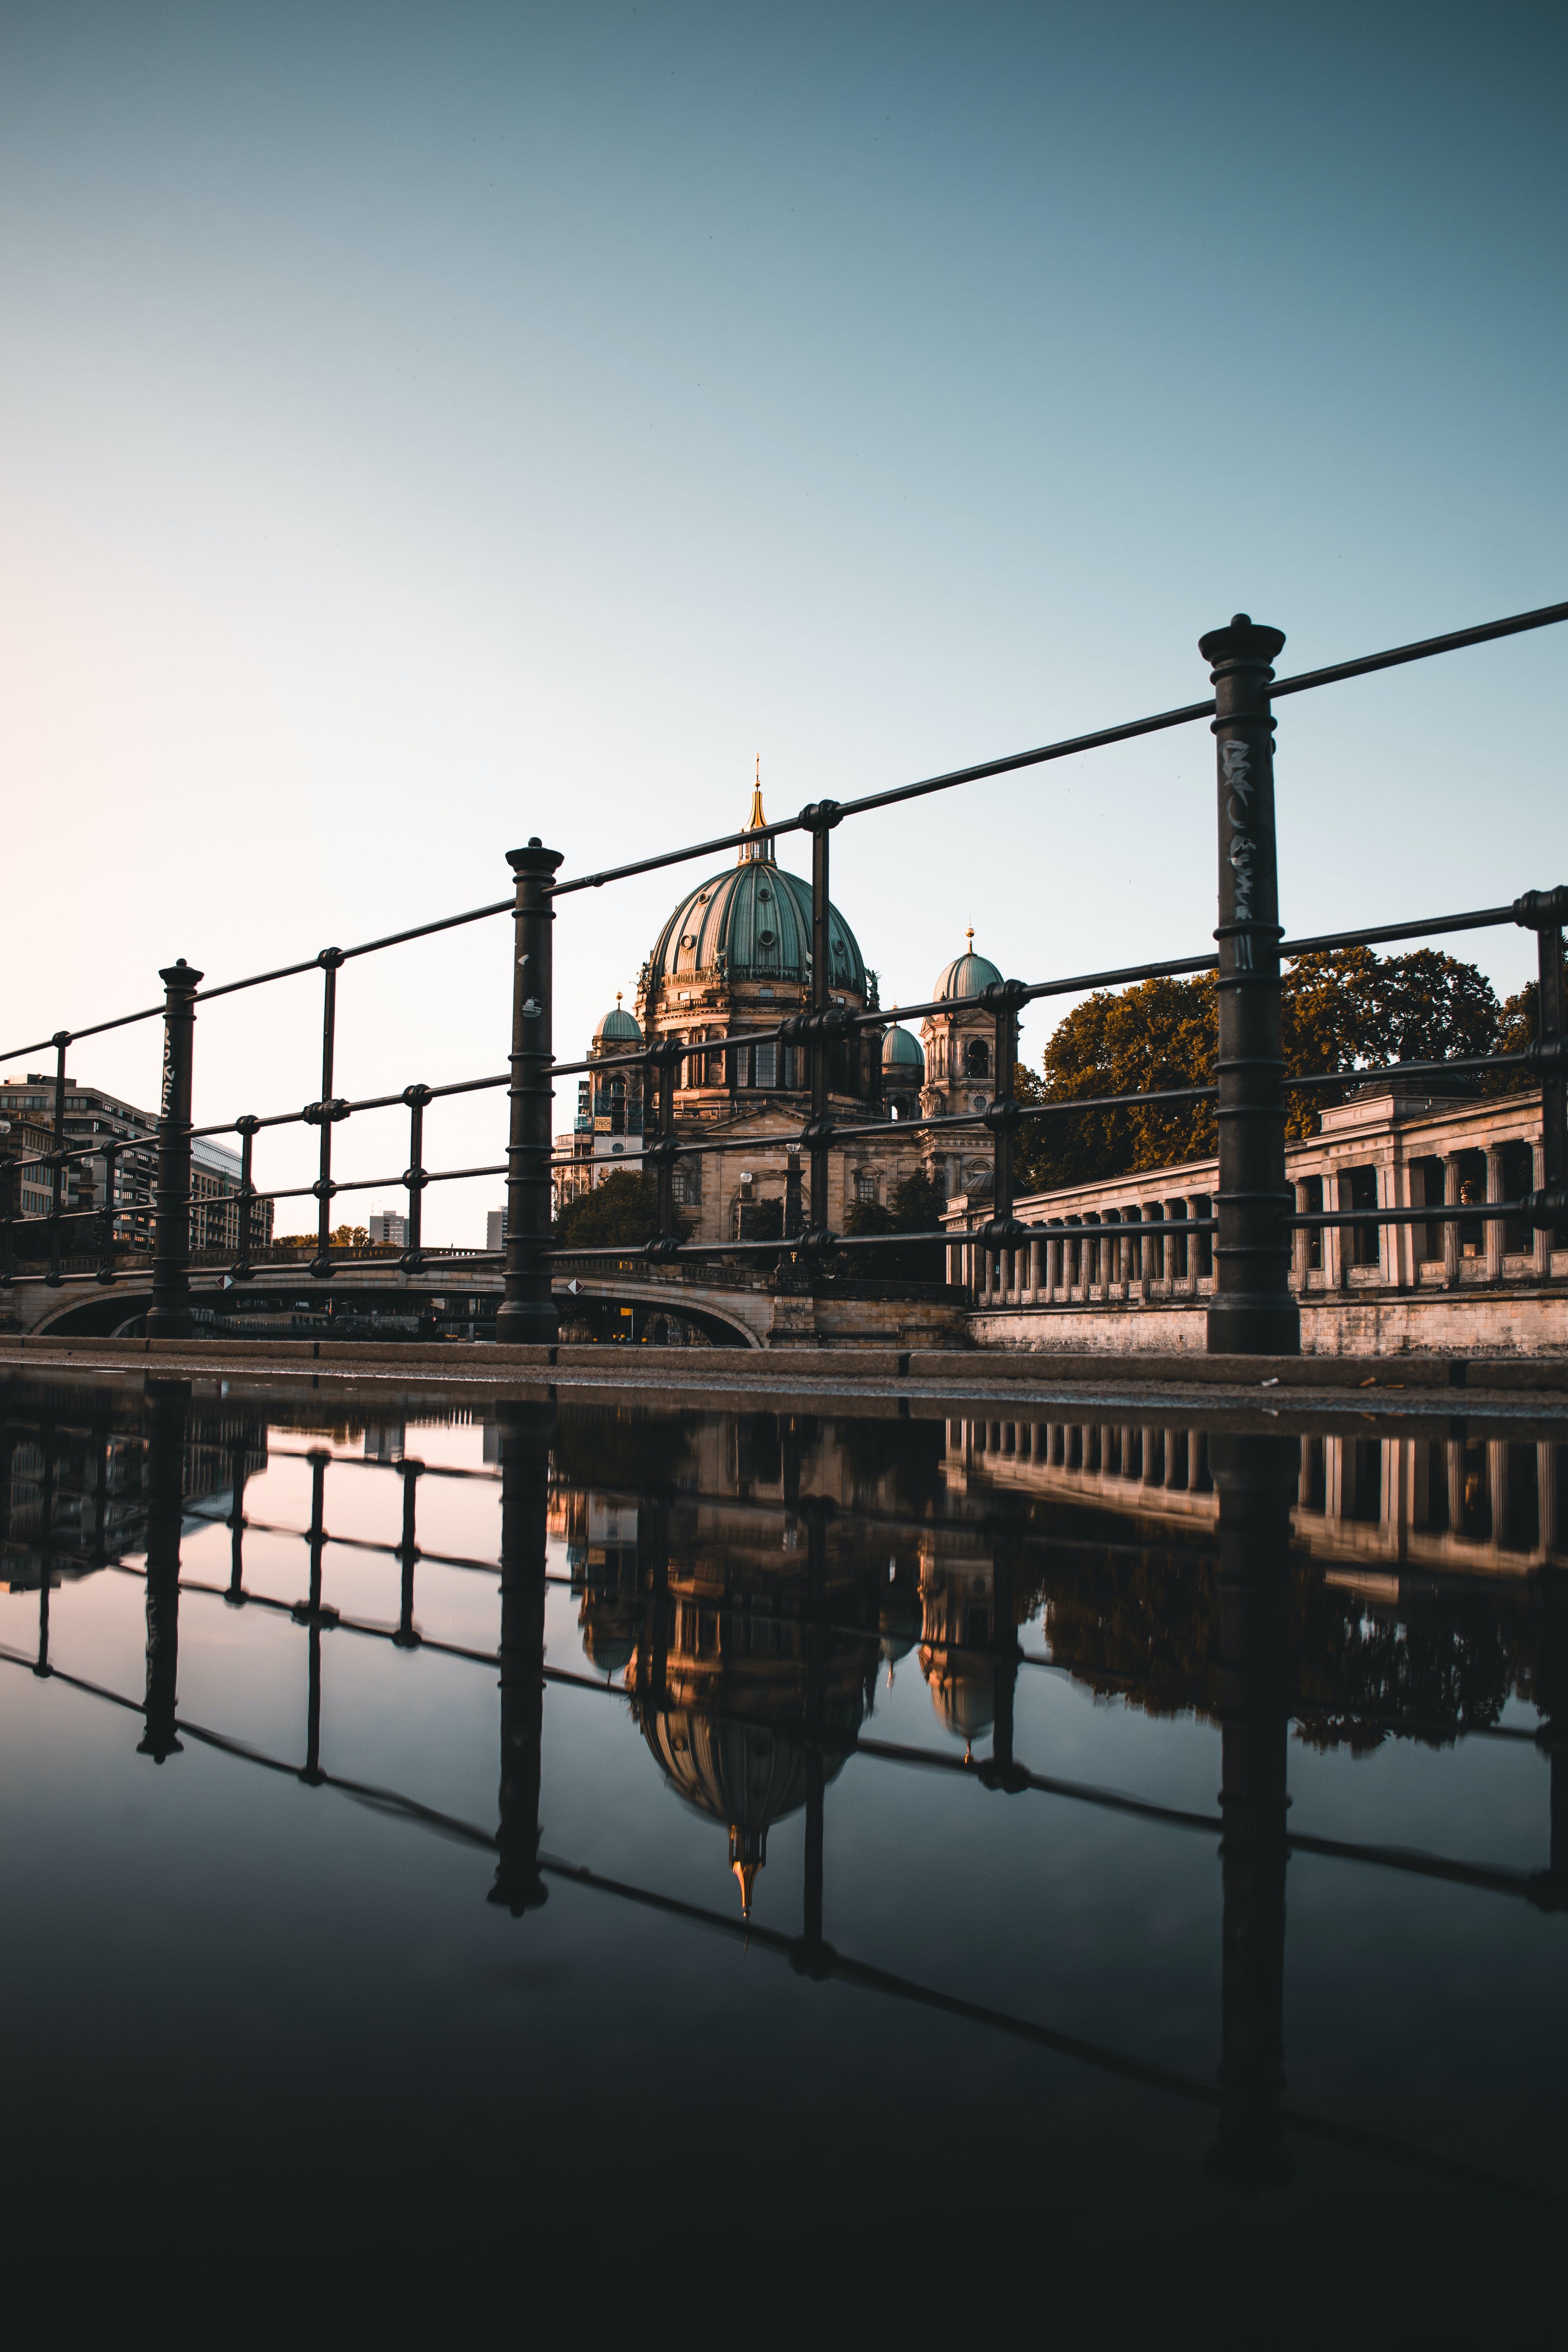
423 426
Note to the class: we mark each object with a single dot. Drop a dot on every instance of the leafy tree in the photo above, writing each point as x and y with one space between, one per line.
620 1214
914 1206
1343 1010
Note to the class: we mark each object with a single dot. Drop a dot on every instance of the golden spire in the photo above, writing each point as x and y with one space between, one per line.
969 935
760 851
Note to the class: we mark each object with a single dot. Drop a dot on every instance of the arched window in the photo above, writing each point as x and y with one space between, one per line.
976 1058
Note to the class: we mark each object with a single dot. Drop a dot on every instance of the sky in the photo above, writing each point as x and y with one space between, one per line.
426 426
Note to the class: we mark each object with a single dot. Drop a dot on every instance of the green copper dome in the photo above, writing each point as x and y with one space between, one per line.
902 1052
753 922
966 975
617 1028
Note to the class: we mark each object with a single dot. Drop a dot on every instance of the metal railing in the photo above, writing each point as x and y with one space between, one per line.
1251 1309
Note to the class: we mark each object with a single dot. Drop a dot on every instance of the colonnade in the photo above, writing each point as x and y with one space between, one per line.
1128 1254
1324 1258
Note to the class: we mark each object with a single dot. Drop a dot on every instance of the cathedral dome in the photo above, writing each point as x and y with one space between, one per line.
903 1055
618 1027
753 922
966 975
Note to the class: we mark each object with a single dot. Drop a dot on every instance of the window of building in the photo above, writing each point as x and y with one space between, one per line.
865 1186
765 1060
976 1058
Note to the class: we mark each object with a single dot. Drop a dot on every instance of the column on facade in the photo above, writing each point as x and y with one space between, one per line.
1541 1244
1451 1230
1341 1237
1189 1211
1391 1238
1154 1456
1493 1230
1036 1267
1300 1241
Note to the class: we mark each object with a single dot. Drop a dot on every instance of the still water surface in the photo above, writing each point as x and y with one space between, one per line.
790 1871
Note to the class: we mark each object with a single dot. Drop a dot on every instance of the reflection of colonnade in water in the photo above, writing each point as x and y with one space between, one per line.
759 1635
1469 1502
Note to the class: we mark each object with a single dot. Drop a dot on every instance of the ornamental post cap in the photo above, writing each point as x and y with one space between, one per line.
1246 640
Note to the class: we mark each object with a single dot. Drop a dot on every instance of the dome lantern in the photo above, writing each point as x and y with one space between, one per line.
967 974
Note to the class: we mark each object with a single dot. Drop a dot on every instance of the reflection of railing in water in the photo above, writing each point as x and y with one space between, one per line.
1254 1484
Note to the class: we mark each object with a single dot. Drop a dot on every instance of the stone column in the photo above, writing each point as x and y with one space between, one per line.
1154 1456
1300 1241
1036 1269
1189 1211
1542 1239
1393 1240
1493 1228
1451 1230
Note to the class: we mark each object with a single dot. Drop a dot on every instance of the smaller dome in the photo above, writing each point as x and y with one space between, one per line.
967 974
617 1027
900 1051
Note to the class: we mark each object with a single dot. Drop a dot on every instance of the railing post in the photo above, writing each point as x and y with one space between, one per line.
407 1637
7 1220
1255 1478
414 1177
168 1404
326 1111
246 1126
1253 1312
819 820
169 1316
525 1432
527 1311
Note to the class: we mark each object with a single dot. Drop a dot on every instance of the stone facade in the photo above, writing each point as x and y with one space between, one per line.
1487 1286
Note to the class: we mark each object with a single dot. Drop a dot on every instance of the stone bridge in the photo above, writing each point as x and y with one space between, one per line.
455 1294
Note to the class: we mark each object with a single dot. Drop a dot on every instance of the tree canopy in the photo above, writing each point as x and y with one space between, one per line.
1347 1010
620 1214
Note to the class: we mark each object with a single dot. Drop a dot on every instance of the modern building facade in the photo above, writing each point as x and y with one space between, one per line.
95 1119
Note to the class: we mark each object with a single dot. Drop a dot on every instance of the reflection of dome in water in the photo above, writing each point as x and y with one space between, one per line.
607 1647
966 1704
745 1775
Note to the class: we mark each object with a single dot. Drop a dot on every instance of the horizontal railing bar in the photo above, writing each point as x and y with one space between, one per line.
1437 1213
1544 616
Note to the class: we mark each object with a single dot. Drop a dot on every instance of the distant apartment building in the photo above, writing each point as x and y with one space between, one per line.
387 1227
495 1230
93 1120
